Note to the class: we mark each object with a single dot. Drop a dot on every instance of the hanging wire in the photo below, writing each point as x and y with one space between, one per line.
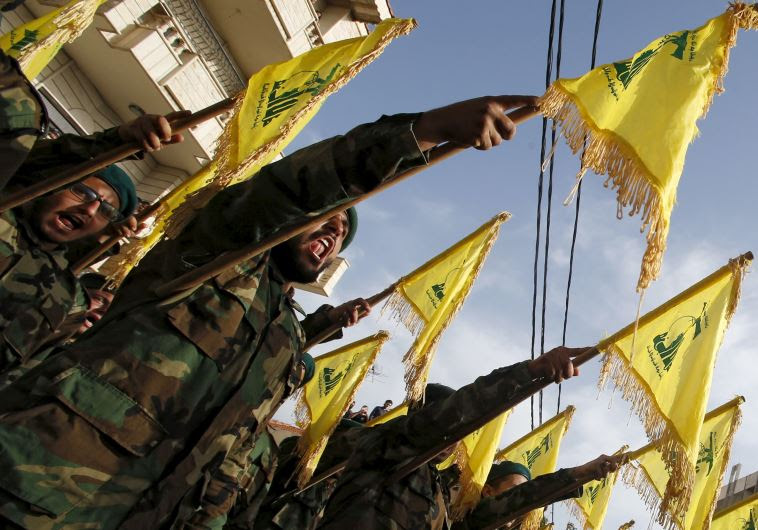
548 75
598 16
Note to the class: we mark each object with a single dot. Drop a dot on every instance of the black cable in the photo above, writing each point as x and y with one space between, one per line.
548 74
598 16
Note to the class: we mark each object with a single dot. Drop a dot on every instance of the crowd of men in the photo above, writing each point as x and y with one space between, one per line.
130 410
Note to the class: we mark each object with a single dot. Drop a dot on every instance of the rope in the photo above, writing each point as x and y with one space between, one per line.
548 75
598 16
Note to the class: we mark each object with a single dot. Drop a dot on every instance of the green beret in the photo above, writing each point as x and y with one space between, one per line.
435 392
93 280
352 221
505 468
117 179
310 367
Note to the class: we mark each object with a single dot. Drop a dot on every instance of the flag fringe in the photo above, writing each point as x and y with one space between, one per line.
725 455
577 513
402 310
532 520
417 364
608 155
69 24
469 494
230 172
679 488
637 478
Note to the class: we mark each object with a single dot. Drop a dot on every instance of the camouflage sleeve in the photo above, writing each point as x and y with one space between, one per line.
318 321
422 430
308 182
49 157
491 511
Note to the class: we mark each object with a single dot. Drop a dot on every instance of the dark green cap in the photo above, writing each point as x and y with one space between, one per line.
505 468
310 367
122 184
352 220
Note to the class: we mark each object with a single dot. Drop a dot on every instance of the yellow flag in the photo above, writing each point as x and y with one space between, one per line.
324 399
638 117
427 299
396 412
650 476
741 516
668 377
279 101
538 451
35 43
474 457
592 506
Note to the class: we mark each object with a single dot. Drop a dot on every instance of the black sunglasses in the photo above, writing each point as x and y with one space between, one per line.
87 195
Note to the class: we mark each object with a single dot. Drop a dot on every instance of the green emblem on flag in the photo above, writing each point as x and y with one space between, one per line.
666 345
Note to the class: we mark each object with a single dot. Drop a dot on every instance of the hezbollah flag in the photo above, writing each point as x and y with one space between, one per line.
35 43
592 506
324 399
638 116
427 299
538 451
650 476
742 516
474 459
668 379
400 410
279 101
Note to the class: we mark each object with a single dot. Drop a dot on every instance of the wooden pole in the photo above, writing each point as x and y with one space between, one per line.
107 158
231 258
93 255
334 328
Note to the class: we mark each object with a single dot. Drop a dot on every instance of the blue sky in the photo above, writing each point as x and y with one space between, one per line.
496 47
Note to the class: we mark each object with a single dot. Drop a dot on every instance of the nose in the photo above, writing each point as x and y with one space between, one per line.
91 207
336 225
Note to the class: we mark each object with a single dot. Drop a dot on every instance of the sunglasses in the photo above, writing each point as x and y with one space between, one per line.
87 195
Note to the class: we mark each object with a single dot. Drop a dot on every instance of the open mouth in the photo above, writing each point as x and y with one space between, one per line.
321 247
90 320
69 222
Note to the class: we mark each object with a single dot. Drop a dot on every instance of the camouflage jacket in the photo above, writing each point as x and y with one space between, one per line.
38 295
365 499
23 117
157 410
493 512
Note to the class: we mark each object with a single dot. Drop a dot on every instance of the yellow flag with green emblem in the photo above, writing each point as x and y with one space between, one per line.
427 299
326 397
668 378
650 477
638 116
538 451
741 516
396 412
279 101
35 43
592 506
474 458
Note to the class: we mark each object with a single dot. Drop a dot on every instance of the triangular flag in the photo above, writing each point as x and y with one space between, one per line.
35 43
279 101
741 516
396 412
592 506
649 476
668 379
474 458
324 399
538 451
637 117
427 299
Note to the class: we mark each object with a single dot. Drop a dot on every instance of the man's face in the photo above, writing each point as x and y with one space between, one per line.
63 216
99 301
304 257
364 409
503 485
387 404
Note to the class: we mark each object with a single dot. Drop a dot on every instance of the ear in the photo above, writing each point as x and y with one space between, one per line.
486 491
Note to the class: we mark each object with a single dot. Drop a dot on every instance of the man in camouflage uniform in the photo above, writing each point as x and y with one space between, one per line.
156 411
368 496
510 488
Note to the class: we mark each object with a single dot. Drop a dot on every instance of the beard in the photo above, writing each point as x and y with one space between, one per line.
293 265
